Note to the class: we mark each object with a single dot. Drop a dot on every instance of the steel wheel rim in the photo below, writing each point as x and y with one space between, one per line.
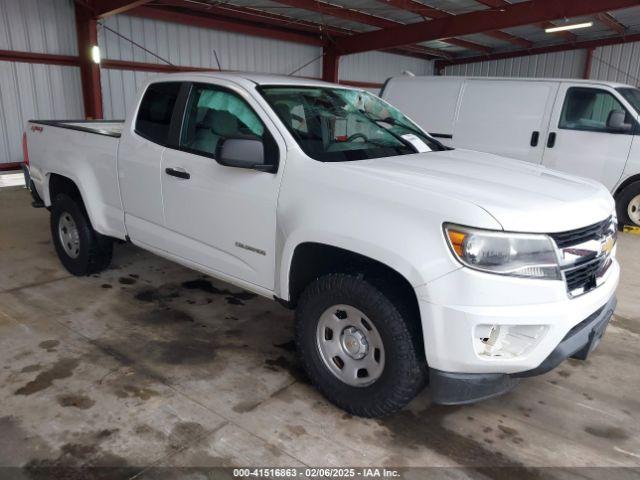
68 235
633 209
350 345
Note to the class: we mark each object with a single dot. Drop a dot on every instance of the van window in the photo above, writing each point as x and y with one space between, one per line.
589 109
156 108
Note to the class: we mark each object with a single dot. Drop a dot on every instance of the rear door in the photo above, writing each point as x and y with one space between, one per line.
508 118
579 140
139 158
221 218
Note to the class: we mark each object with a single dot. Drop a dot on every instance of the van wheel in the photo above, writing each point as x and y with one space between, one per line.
356 347
628 205
81 249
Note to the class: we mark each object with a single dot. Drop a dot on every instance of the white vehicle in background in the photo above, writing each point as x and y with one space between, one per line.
407 262
583 127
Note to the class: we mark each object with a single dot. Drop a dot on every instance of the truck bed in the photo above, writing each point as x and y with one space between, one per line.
110 128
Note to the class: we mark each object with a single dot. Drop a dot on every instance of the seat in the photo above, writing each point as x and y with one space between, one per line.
215 124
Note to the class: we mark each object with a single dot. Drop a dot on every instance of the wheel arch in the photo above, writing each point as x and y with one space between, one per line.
311 260
625 183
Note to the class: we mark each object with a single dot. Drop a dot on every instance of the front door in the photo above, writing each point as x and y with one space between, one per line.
219 217
581 140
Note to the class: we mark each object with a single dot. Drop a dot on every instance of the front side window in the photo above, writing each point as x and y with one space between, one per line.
156 109
336 124
214 115
590 109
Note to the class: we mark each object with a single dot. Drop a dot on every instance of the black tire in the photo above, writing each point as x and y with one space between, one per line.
622 203
404 374
95 250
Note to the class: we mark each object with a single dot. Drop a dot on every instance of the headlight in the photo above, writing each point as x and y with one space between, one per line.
515 254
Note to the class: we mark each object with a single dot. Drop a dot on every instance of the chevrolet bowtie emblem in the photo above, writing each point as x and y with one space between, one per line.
607 245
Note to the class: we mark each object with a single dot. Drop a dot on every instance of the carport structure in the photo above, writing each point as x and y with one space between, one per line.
449 32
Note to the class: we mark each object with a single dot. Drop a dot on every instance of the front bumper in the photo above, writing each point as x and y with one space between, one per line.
458 388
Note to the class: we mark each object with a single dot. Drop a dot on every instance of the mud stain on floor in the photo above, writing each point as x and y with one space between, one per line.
233 298
49 345
627 324
31 368
126 281
161 294
75 400
128 391
82 459
609 433
291 366
426 429
245 406
63 368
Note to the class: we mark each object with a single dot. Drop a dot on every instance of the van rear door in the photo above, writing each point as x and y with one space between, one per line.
581 142
505 117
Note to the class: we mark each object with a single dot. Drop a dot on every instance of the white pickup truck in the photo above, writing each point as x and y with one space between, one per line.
407 262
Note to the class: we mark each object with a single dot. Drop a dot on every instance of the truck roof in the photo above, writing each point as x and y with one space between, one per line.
522 79
255 78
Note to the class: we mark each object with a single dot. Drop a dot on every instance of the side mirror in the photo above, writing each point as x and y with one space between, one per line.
615 122
243 153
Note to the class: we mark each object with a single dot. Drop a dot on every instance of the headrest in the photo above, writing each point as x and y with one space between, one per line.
223 123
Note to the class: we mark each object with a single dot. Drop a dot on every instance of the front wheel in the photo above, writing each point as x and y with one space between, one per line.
628 205
356 347
81 249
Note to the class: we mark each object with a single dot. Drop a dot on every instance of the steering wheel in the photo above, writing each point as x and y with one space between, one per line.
357 135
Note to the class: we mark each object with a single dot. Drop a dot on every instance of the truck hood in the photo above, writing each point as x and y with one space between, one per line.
521 196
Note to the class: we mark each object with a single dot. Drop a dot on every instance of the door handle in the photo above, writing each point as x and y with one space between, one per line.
174 172
535 136
551 140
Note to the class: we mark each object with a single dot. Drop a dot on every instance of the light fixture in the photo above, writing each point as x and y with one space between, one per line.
95 54
572 26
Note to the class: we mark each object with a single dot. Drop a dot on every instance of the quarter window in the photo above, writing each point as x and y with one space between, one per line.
156 109
590 109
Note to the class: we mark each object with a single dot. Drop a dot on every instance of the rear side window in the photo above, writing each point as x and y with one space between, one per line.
589 109
156 109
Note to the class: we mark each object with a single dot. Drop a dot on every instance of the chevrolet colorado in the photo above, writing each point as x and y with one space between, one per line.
408 263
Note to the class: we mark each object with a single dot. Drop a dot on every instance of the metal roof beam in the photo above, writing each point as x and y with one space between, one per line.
608 20
524 13
588 44
357 16
429 12
106 8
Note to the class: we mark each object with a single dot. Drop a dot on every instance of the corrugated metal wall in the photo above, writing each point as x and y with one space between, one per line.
194 47
617 63
568 64
376 67
36 91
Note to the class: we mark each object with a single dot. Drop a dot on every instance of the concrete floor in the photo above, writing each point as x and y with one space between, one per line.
150 365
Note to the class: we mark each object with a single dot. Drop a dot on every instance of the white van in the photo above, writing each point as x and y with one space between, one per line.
584 127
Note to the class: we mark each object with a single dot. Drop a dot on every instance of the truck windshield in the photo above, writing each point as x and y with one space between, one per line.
337 124
631 95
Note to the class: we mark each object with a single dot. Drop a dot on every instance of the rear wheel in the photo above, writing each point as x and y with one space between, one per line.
81 249
356 347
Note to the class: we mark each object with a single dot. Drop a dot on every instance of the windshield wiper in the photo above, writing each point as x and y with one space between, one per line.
395 123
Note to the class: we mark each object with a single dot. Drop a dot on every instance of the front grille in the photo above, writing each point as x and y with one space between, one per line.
583 276
581 235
